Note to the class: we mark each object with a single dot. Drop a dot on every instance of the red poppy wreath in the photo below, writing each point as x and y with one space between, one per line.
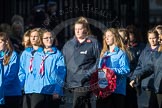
103 91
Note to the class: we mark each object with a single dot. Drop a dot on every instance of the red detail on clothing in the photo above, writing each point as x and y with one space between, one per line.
42 66
104 61
133 44
88 41
51 50
30 65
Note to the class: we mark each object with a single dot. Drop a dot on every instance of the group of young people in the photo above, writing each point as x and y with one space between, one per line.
36 72
44 73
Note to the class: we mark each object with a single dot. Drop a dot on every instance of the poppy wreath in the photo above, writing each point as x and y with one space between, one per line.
103 92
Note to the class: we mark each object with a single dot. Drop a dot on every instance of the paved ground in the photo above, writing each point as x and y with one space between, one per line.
141 101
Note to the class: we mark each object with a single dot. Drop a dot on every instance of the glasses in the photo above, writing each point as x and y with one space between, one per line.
46 38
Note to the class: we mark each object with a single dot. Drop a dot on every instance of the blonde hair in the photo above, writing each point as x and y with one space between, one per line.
159 29
160 47
117 41
84 22
26 35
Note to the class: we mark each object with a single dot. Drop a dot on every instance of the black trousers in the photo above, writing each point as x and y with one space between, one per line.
112 101
2 106
151 100
81 99
131 97
40 101
77 98
12 101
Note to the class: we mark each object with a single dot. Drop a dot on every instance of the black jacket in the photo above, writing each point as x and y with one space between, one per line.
144 71
81 60
158 74
135 50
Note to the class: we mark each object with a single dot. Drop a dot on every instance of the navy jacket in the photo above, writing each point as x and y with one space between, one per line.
144 69
158 74
81 59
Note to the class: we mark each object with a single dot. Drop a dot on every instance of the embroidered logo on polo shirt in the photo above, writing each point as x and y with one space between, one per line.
88 41
83 52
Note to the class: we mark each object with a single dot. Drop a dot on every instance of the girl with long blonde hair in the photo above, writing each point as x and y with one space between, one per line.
114 56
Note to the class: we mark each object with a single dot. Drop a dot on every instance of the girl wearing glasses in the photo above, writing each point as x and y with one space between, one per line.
51 72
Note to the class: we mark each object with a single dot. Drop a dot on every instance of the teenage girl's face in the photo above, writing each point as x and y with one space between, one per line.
109 37
34 37
2 45
47 39
80 31
153 40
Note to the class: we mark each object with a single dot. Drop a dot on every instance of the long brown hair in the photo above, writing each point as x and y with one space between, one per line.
117 41
8 48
